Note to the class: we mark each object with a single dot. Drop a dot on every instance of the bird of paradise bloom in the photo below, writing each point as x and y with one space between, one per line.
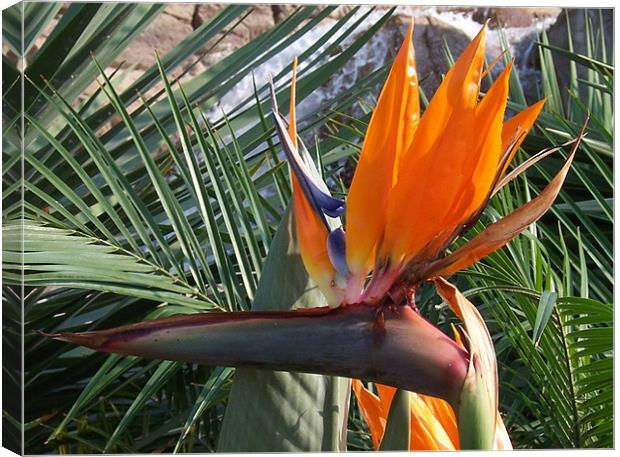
421 182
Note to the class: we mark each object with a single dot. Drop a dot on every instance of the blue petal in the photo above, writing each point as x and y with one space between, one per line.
308 177
336 250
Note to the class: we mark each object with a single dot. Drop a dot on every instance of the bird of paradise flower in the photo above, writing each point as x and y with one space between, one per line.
422 181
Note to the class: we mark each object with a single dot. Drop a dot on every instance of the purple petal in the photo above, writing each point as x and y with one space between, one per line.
331 206
336 249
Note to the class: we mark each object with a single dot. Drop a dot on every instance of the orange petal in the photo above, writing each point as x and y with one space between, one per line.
487 151
517 127
457 337
311 232
432 419
457 92
389 134
312 240
427 431
372 409
292 119
476 173
426 181
501 232
444 413
386 394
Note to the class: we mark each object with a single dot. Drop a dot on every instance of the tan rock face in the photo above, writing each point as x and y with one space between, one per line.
205 12
281 12
513 17
182 11
175 23
162 35
259 21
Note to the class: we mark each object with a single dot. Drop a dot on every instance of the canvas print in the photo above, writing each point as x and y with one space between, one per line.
304 228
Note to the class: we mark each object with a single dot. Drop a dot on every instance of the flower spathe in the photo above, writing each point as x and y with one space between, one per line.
421 180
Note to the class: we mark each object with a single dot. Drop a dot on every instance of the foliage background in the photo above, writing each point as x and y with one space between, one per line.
131 206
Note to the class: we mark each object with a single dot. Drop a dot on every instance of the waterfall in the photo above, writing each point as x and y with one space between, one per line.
374 53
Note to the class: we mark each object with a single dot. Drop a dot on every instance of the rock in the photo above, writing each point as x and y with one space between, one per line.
161 35
431 60
558 32
513 17
428 38
281 12
177 21
182 11
343 10
8 53
206 11
256 23
429 34
259 21
558 36
196 19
